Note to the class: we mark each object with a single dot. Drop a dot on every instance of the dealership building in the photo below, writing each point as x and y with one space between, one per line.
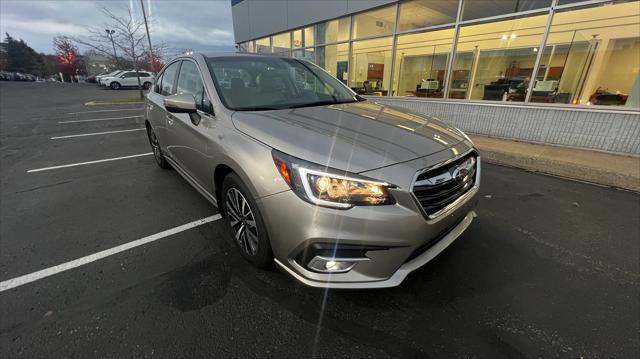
563 72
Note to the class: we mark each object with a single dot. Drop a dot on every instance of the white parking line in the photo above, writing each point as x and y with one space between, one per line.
97 133
100 119
89 162
96 111
32 277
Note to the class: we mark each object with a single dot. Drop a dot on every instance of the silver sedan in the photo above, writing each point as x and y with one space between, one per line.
337 190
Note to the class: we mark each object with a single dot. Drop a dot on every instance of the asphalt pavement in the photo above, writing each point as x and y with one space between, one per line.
550 268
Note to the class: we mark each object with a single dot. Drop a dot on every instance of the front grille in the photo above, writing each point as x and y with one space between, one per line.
437 188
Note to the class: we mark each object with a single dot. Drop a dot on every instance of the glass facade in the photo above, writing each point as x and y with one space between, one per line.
333 31
378 22
370 66
263 45
281 43
573 53
334 59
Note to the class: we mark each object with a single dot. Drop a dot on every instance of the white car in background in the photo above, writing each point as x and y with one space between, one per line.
128 79
110 74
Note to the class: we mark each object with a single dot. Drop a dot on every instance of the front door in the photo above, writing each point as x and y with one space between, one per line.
165 86
190 133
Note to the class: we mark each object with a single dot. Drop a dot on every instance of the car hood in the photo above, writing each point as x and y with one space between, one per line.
354 137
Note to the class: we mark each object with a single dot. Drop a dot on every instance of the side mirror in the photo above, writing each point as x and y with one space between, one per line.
122 76
180 104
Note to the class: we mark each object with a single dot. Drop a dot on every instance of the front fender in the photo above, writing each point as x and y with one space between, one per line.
251 160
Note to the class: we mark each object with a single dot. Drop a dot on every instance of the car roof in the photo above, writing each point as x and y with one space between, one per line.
229 54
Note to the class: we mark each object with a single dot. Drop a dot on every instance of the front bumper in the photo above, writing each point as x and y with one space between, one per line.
402 237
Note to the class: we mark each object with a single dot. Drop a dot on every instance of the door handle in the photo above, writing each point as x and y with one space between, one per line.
170 119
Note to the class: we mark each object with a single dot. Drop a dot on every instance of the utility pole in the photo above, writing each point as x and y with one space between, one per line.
110 33
144 15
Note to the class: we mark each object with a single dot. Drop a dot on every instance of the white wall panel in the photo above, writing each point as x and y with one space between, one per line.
613 131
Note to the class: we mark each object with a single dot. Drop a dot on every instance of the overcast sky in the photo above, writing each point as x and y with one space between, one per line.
201 25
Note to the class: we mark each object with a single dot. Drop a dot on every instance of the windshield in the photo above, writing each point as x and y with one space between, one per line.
268 83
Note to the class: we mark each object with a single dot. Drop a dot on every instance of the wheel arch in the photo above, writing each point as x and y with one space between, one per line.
220 172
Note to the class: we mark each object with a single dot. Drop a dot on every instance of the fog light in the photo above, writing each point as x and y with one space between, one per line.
333 265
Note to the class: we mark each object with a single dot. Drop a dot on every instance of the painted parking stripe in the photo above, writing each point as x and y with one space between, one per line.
112 110
97 133
100 119
32 277
89 162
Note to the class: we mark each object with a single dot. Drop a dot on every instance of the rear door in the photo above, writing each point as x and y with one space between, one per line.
156 113
190 135
130 79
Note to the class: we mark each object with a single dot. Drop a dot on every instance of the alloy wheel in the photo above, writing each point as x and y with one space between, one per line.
242 221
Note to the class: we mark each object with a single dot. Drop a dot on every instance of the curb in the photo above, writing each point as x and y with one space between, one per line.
561 168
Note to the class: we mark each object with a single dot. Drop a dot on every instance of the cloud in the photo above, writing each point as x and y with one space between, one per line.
43 26
183 24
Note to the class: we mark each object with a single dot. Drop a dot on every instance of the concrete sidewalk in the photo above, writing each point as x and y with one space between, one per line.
585 165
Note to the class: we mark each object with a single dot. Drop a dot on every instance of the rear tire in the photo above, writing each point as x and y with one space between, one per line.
114 85
244 222
157 152
146 85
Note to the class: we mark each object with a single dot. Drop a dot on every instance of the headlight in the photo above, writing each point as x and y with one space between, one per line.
329 187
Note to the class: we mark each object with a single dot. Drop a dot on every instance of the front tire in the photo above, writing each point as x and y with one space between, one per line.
114 85
157 152
244 222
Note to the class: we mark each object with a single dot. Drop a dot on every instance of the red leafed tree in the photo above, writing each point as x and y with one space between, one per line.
157 63
67 53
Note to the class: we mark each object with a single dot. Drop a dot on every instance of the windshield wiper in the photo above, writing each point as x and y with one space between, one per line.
319 103
258 108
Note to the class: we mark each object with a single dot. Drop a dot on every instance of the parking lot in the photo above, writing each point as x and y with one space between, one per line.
550 268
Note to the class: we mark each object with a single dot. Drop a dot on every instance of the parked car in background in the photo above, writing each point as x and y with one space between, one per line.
339 191
5 76
99 78
129 79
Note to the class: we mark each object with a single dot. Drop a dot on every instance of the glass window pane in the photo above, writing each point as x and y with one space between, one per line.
297 39
416 14
495 61
592 57
168 79
373 23
308 36
421 63
281 43
190 82
246 46
333 31
335 60
476 9
307 54
263 45
371 66
254 83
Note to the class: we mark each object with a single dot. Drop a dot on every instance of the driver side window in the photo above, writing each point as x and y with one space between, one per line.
190 82
168 78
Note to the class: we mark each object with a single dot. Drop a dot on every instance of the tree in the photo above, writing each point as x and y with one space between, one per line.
128 39
21 57
69 62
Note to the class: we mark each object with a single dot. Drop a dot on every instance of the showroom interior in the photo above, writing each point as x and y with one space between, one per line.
569 52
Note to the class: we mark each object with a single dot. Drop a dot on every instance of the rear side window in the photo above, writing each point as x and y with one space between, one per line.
168 79
143 74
